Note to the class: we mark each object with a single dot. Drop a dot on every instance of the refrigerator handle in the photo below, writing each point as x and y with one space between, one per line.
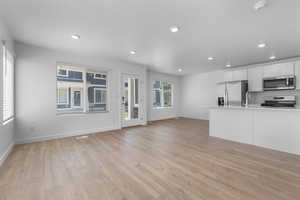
226 98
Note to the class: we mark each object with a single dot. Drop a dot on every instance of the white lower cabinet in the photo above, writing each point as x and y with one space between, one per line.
274 129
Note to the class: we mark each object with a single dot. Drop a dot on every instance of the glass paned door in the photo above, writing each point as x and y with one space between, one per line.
130 100
77 98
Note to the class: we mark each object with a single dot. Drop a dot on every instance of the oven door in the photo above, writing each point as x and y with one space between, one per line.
280 83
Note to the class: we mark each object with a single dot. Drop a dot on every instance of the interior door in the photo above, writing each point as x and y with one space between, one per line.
131 101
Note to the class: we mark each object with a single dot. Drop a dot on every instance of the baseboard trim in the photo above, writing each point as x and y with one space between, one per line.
163 118
64 135
6 153
197 118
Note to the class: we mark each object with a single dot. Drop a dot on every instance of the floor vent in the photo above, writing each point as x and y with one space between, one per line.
82 137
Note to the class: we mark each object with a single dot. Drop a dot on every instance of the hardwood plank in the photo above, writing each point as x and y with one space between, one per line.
170 159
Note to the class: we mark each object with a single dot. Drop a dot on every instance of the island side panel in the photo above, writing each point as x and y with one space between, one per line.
278 130
232 124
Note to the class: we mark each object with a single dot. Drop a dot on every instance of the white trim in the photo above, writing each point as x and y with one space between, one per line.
8 120
67 72
6 153
128 121
59 103
64 135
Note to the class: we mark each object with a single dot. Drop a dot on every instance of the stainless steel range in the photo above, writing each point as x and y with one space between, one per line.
280 101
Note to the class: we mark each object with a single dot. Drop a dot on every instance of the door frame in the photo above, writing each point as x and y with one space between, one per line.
132 122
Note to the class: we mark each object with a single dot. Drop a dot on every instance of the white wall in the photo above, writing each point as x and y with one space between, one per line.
163 113
36 95
7 130
198 93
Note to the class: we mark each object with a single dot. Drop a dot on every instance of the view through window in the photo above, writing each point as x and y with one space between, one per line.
162 94
80 90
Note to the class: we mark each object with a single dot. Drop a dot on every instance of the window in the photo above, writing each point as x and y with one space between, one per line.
62 72
8 84
99 76
100 96
78 94
162 94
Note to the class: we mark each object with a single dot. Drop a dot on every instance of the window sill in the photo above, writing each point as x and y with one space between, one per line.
158 108
80 113
8 120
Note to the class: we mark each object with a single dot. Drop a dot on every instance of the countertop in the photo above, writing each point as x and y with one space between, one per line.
258 107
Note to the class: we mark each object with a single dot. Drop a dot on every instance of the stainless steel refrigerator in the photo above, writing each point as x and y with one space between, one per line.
234 93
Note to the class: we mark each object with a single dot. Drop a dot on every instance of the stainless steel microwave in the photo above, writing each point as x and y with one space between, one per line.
279 83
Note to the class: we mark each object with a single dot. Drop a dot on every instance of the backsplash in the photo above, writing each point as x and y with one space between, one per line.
260 97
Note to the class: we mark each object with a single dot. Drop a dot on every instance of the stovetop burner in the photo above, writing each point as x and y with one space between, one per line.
281 101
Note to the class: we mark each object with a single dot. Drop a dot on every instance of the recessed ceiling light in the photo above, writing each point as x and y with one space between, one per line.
179 70
272 57
262 45
132 52
259 5
174 29
76 37
228 65
210 58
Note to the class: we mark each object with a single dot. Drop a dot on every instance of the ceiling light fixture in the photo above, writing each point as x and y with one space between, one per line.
179 70
228 65
210 58
132 52
262 45
76 37
174 29
259 5
272 57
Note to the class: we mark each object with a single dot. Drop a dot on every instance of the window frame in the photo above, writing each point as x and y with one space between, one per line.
11 107
67 73
85 108
162 91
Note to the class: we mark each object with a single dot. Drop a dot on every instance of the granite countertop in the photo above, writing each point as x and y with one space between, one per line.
257 107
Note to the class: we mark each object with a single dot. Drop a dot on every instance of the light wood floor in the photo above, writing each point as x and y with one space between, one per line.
171 159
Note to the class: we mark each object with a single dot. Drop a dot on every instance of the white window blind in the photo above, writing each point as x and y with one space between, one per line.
8 85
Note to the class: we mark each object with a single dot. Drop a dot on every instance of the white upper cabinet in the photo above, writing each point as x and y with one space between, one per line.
255 79
235 75
281 69
227 76
239 75
297 74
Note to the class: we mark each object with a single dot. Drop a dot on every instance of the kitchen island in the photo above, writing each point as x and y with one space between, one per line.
274 128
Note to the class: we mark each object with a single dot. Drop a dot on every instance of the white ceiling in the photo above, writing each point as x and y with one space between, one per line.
228 30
